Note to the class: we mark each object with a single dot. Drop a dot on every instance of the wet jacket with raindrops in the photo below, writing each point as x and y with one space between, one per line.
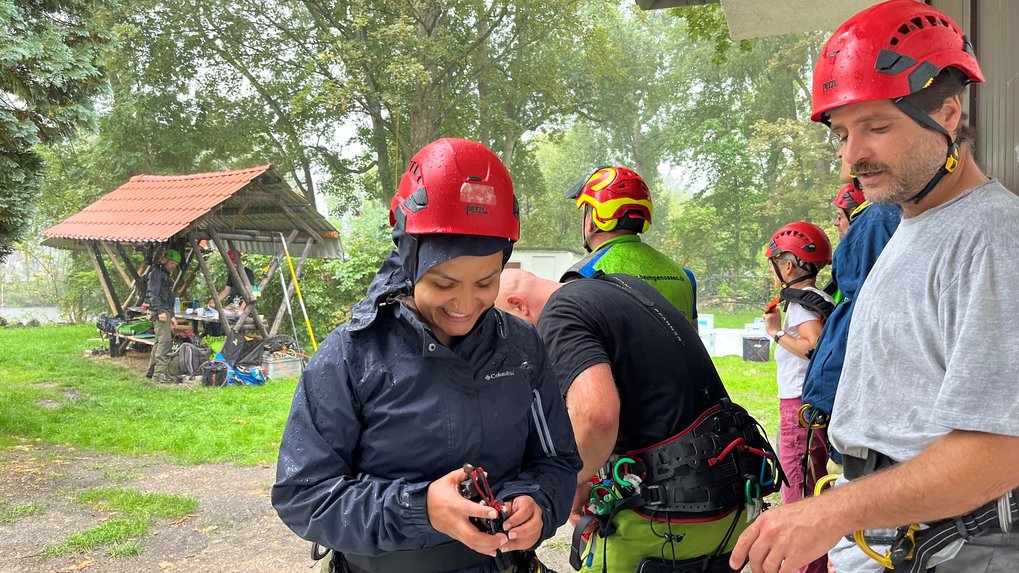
383 409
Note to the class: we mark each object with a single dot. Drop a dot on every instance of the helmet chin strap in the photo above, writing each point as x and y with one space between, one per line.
786 284
587 237
951 156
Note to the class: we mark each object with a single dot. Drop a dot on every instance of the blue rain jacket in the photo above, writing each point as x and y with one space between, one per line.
383 409
852 261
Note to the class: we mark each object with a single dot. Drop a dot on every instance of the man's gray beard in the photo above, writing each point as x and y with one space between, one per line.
911 177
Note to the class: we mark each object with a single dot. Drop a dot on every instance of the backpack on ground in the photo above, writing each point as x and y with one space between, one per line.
191 357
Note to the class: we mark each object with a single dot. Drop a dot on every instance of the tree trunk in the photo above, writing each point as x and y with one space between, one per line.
481 61
380 144
424 110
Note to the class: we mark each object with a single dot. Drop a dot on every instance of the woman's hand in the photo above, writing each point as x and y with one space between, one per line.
523 526
773 322
450 513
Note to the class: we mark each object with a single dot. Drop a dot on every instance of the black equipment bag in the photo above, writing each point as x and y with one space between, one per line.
239 350
214 373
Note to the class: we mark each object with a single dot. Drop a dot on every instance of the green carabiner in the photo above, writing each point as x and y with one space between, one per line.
756 495
615 471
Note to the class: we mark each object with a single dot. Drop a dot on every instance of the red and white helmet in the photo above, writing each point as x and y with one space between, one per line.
615 194
888 51
805 240
849 197
456 186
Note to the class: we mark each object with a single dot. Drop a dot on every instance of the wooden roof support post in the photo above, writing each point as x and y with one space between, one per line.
192 272
290 286
248 289
104 278
196 248
241 280
116 263
136 285
179 282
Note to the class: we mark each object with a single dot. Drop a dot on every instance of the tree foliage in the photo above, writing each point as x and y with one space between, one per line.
50 73
338 94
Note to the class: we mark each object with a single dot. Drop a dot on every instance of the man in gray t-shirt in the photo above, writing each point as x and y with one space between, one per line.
928 389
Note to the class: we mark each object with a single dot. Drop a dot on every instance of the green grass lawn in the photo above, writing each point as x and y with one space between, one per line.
753 386
51 391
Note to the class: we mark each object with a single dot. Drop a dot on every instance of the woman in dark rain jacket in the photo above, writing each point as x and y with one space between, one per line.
428 376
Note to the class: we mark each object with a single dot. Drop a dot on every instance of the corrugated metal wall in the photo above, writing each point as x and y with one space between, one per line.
994 106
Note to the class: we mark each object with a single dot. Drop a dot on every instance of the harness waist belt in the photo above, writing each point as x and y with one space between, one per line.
855 468
994 517
704 469
985 520
437 559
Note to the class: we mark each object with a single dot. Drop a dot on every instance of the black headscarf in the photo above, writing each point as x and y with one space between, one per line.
419 253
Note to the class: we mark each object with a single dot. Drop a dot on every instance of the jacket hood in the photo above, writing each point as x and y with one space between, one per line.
388 282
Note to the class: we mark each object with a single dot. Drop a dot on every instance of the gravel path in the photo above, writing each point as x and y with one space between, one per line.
234 529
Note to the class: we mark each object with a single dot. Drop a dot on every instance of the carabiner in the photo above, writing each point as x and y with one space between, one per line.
756 491
615 471
825 483
817 419
765 465
886 560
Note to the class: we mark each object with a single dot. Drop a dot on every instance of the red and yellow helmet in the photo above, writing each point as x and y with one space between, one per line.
888 51
615 194
456 186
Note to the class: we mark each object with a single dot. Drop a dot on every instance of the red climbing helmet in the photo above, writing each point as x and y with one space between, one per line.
456 186
615 193
805 240
849 197
888 51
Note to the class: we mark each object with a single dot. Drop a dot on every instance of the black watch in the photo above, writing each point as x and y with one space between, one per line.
778 335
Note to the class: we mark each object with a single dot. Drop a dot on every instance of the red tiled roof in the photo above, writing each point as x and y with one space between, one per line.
153 207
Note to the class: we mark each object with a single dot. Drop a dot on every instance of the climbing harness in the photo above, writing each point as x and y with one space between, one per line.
913 545
720 462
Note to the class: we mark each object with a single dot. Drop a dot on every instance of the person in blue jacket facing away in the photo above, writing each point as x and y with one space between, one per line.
426 377
870 228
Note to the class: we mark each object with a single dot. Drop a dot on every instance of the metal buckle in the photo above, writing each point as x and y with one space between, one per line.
657 492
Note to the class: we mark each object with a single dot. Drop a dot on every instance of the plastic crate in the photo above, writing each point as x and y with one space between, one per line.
282 366
756 348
